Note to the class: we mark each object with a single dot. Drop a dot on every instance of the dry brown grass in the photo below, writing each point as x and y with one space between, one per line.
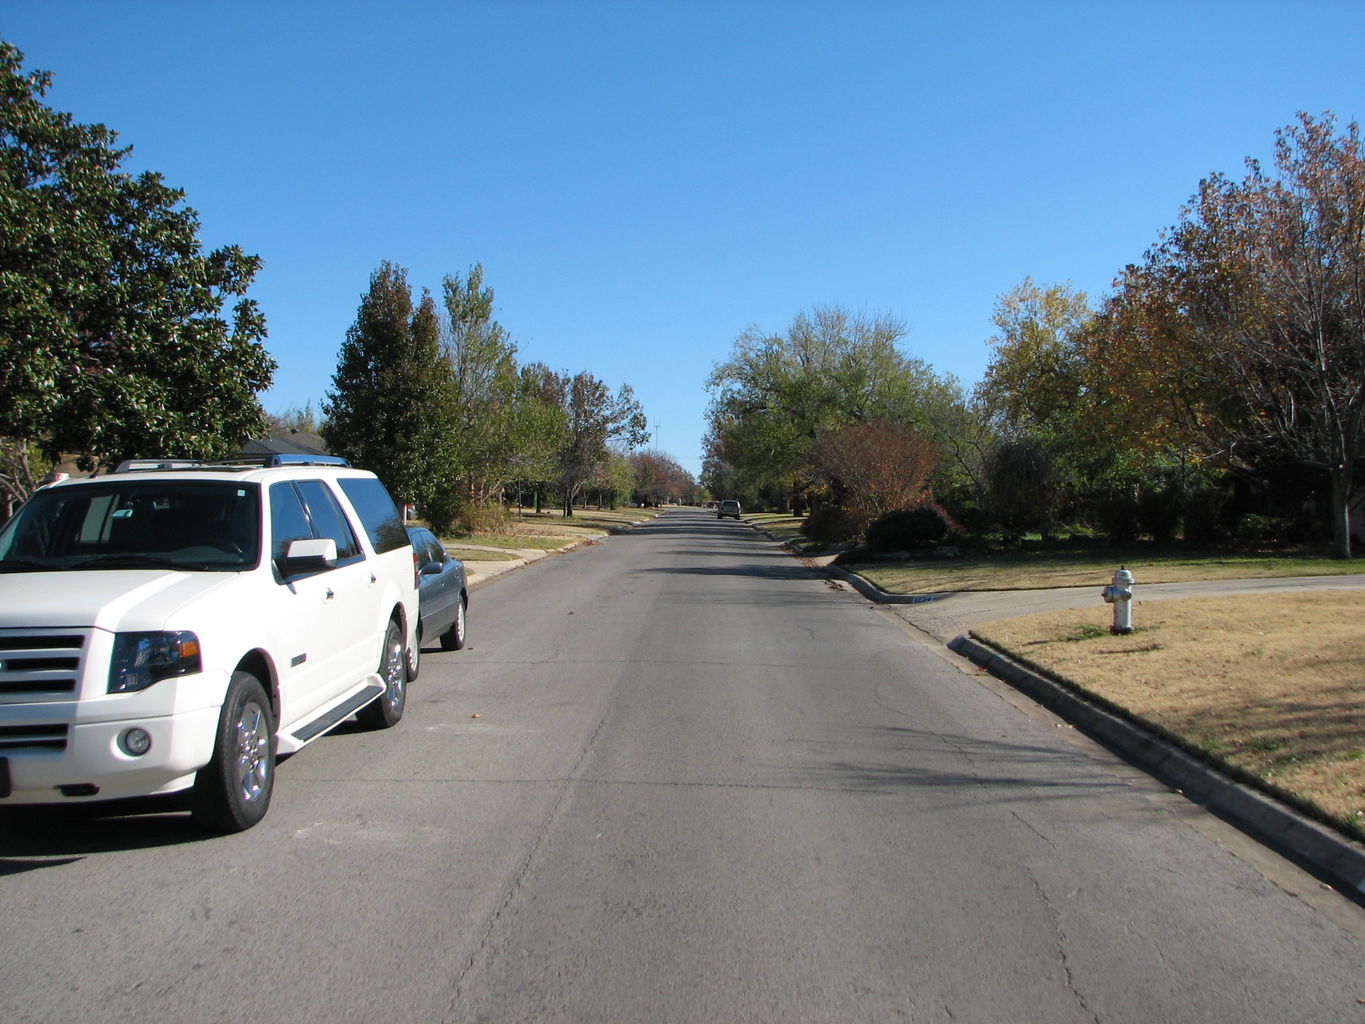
1272 684
1041 571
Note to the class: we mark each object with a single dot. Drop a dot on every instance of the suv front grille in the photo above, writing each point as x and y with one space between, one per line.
33 737
40 665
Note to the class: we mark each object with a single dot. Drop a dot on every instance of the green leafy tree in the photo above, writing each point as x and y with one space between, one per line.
1033 380
593 419
777 394
542 425
1043 452
114 340
614 480
385 409
490 425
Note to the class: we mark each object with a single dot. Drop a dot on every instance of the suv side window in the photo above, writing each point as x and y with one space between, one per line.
328 519
377 512
303 509
288 521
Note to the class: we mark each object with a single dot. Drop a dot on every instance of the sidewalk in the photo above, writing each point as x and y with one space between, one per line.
949 619
947 616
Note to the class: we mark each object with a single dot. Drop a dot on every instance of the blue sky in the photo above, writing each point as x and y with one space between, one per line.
644 180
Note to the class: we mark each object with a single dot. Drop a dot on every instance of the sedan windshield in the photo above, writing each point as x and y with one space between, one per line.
125 523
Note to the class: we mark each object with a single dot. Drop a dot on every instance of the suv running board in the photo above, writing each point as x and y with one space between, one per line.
334 717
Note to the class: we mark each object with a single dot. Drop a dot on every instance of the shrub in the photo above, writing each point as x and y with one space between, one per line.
1159 512
1118 517
907 528
830 524
1204 516
1257 529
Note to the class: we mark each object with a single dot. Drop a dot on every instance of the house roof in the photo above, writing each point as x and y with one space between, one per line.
286 442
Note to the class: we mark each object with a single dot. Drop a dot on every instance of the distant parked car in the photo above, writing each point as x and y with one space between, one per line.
443 595
728 508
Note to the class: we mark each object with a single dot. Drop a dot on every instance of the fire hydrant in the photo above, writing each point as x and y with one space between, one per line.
1120 595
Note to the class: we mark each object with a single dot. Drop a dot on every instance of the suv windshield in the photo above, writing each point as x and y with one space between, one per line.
126 523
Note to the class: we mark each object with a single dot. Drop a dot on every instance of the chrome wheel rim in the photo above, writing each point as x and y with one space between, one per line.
415 655
394 672
253 753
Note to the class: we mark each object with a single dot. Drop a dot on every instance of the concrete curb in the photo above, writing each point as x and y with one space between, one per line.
1314 846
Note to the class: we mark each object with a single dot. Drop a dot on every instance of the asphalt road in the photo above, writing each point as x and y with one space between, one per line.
678 776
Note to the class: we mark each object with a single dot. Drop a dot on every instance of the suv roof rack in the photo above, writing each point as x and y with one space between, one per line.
244 462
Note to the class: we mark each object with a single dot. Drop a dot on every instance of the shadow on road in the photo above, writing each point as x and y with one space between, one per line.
32 838
990 771
775 570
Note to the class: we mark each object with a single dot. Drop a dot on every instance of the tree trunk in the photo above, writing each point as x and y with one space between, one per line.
1340 510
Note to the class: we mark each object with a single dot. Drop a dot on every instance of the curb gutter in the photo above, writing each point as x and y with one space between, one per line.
1332 857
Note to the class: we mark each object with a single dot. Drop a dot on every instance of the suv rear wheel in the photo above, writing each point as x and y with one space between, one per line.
387 709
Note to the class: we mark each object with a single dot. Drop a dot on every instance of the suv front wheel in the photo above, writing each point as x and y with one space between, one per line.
232 792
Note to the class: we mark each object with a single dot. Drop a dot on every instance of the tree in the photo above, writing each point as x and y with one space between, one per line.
658 478
386 407
113 337
1032 382
301 418
1044 451
19 476
1022 478
593 418
488 428
542 425
777 394
1256 301
875 468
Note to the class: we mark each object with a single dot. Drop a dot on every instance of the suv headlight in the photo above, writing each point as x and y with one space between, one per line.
140 659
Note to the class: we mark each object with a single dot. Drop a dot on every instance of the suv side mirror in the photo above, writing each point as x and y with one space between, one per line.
302 557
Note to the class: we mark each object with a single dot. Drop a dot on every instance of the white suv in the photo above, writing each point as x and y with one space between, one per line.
176 625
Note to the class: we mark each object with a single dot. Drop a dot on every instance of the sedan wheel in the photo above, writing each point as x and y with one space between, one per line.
454 638
415 656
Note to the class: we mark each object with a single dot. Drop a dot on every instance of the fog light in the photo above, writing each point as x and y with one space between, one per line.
135 742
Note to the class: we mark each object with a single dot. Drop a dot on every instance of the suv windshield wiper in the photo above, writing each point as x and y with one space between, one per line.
126 562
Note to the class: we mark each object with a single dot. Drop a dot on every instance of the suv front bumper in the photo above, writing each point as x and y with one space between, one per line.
52 755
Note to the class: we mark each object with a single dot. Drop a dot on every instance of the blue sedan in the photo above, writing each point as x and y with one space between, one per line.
443 596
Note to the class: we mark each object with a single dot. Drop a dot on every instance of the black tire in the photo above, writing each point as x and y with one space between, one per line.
386 710
232 792
415 655
455 638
